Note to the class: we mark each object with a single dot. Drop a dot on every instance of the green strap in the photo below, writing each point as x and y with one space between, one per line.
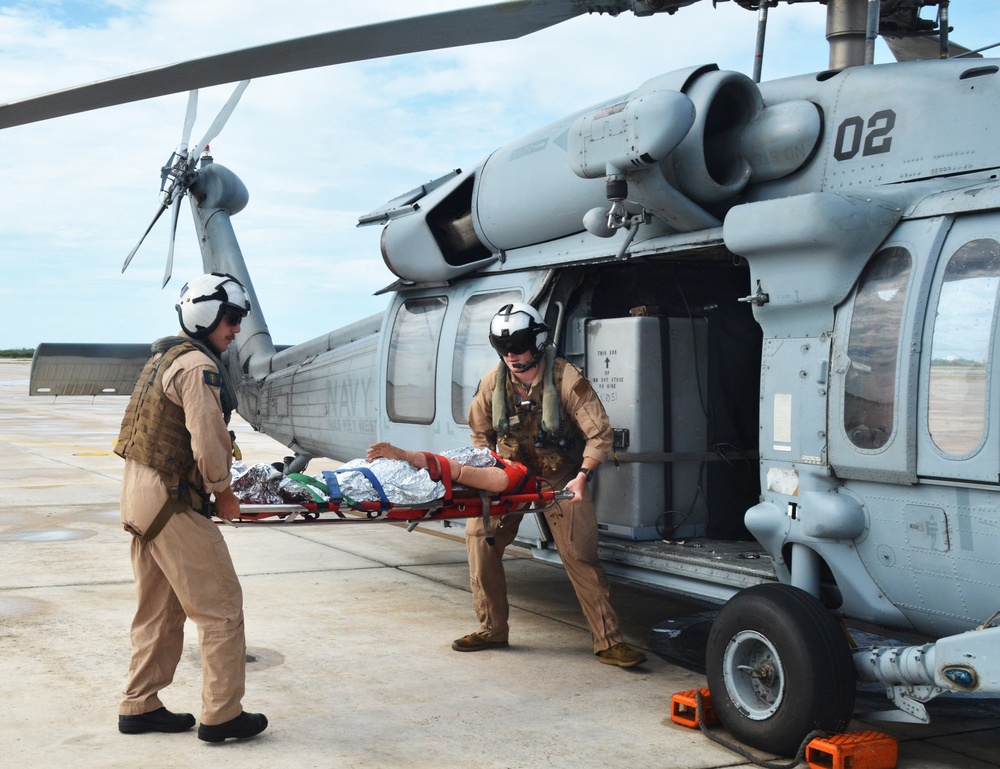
550 398
311 483
501 420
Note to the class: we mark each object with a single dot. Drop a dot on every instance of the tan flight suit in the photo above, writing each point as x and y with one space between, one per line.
186 570
573 526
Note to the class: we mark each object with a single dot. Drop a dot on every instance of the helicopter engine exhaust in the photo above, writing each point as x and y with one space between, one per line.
681 149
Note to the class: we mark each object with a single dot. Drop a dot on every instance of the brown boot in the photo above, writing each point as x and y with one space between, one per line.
476 642
622 655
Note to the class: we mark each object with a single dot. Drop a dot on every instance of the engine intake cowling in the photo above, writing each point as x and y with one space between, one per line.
708 166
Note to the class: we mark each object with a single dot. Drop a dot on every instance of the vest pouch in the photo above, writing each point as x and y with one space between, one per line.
507 447
552 461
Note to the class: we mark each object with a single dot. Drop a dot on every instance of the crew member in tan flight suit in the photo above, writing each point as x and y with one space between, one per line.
178 450
538 409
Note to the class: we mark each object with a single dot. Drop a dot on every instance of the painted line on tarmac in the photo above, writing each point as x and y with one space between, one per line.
53 485
83 451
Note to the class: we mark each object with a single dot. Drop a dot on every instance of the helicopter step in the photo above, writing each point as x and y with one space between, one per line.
708 569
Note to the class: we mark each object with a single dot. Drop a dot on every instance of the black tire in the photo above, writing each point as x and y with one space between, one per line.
805 678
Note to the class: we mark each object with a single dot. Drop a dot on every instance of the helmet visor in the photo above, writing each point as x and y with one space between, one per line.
514 344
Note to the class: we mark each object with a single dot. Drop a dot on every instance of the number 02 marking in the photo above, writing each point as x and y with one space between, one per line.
876 140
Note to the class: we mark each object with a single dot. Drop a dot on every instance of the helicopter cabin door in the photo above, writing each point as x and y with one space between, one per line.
876 357
958 430
913 395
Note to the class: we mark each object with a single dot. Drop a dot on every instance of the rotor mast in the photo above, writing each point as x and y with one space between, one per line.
847 32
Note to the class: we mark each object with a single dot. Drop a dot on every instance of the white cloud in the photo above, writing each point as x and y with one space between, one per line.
316 149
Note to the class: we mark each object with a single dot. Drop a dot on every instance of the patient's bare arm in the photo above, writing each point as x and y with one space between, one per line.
486 478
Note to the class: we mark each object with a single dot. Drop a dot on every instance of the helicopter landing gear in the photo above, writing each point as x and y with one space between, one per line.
779 667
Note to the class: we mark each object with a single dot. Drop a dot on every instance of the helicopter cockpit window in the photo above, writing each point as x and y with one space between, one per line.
873 349
473 354
963 338
413 352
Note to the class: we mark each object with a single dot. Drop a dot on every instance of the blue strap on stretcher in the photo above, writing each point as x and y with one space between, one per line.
384 503
332 486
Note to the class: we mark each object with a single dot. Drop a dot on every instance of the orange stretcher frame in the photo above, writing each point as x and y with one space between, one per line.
460 504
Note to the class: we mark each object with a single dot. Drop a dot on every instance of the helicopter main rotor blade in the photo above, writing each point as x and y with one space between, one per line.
500 21
189 116
220 120
924 48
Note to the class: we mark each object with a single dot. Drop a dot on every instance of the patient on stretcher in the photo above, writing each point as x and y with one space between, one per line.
470 467
389 473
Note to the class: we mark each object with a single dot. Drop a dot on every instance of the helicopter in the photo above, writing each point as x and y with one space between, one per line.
784 292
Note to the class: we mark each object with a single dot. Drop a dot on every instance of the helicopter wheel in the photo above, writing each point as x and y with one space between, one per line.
779 667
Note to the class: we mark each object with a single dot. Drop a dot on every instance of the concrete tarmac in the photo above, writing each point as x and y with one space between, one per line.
348 629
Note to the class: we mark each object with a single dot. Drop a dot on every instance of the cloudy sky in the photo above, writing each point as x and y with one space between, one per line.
316 149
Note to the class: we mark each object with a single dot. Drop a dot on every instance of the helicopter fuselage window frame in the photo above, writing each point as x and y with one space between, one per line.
873 349
964 333
411 372
473 355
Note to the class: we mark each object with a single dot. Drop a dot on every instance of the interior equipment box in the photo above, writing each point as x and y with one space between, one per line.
650 374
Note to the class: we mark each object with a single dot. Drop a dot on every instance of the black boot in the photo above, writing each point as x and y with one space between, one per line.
159 720
244 725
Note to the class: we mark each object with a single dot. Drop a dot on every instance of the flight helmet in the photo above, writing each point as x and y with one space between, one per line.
206 299
518 328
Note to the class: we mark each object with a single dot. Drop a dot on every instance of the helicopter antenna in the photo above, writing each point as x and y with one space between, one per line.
871 30
758 56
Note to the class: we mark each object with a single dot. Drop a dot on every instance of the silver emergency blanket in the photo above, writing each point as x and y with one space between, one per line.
402 483
263 485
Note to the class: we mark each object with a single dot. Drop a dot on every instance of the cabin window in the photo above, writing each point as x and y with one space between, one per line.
473 354
412 365
873 349
960 349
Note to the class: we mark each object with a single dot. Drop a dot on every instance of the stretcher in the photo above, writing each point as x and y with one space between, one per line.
330 505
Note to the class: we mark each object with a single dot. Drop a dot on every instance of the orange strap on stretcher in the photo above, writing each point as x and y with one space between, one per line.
439 469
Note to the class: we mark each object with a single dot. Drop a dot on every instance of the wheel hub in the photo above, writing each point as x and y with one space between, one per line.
753 675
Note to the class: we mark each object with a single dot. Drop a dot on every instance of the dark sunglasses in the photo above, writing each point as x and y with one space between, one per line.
233 318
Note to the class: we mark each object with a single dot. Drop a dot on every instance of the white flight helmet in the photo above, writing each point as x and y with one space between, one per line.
518 328
206 299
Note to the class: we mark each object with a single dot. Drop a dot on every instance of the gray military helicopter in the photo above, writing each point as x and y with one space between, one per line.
786 294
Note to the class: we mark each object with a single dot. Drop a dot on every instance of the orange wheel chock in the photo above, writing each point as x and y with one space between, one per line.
684 708
858 750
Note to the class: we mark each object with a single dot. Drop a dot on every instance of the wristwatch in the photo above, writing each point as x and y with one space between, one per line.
586 473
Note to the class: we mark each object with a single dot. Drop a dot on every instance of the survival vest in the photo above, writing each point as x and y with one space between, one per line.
543 437
154 434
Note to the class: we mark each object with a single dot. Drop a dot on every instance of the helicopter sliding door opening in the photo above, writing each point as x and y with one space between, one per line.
676 360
